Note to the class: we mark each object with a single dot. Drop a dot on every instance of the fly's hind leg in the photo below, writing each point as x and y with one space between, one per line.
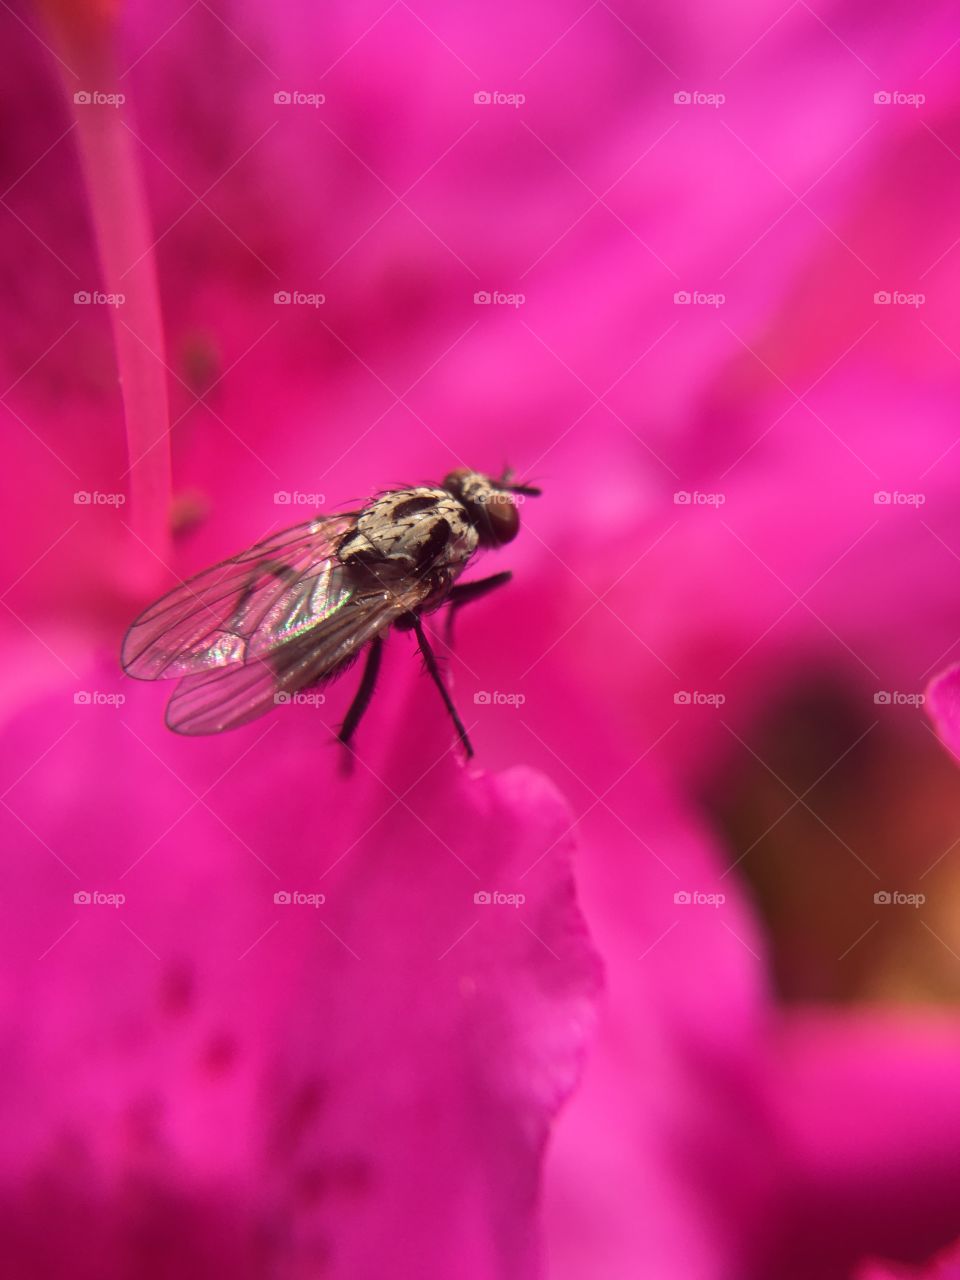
361 699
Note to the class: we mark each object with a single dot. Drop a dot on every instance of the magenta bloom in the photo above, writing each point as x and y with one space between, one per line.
270 1034
665 984
946 1266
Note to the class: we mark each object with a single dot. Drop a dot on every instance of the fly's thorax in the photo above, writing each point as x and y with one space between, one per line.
421 527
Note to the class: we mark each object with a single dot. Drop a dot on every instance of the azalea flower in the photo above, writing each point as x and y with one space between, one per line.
359 1026
944 1267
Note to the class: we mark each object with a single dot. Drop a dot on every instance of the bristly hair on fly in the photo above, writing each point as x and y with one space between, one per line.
295 610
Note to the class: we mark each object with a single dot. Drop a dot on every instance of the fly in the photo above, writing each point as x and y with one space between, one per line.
297 609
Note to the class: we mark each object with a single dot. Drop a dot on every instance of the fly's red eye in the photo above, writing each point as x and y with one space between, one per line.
501 518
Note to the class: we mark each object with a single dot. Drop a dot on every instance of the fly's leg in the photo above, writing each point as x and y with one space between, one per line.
430 662
361 699
467 591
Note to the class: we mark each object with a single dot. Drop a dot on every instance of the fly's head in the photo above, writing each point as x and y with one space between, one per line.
490 504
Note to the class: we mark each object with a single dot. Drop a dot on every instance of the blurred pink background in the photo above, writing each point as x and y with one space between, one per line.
693 270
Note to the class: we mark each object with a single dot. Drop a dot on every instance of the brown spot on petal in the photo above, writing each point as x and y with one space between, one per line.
71 1151
200 362
297 1115
352 1177
219 1054
142 1125
311 1186
177 991
188 509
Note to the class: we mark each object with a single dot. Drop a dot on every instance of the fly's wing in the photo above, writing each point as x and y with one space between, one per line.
242 607
228 697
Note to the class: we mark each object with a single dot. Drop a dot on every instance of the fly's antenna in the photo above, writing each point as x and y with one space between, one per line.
506 483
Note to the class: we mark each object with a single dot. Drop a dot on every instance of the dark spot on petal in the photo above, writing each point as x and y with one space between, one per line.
187 510
177 990
312 1185
350 1176
297 1115
219 1054
71 1151
200 362
143 1124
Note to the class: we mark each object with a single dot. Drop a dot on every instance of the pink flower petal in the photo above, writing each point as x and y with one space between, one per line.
309 1088
945 1266
943 706
867 1112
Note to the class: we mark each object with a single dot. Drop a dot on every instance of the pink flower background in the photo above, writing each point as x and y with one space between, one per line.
719 1035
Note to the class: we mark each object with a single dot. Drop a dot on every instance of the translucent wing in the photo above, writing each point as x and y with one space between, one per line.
243 607
234 695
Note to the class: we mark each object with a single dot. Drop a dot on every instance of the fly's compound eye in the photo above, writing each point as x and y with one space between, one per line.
499 520
490 505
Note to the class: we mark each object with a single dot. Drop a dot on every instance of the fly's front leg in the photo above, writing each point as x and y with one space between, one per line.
464 592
